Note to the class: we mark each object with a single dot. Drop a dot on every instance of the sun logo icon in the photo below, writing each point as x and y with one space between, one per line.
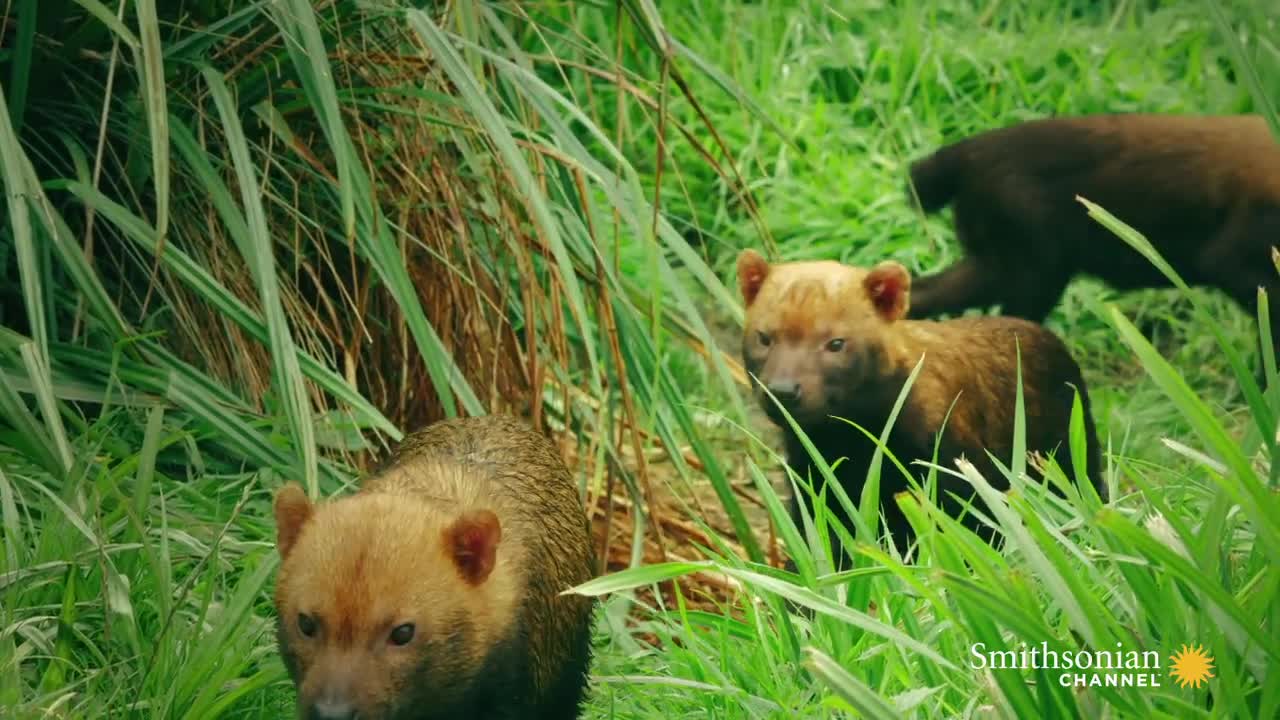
1191 666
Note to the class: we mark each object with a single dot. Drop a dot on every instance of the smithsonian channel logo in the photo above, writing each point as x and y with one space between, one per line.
1189 667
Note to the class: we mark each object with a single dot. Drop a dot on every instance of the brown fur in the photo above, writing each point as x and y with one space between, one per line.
470 534
795 311
1205 191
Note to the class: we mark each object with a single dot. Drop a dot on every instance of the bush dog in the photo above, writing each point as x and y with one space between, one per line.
1205 191
831 341
434 592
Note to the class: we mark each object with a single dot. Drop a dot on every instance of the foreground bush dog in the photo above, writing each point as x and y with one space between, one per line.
434 591
1205 191
830 341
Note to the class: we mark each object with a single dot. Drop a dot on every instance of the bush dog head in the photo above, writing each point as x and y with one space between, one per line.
817 333
377 591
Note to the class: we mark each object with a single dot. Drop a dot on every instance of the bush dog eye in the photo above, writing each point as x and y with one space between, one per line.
402 635
306 625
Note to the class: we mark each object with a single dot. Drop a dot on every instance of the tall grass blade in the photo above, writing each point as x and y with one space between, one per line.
1245 66
260 255
20 62
151 66
864 699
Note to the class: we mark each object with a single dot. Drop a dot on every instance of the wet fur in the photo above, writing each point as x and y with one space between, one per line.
505 645
972 361
1205 191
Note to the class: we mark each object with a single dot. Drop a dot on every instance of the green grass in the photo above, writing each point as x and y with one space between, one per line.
244 268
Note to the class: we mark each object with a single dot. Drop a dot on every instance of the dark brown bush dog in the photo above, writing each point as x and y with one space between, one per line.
1205 191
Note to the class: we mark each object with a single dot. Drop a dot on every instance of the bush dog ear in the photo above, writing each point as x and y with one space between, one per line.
472 542
292 510
752 270
889 288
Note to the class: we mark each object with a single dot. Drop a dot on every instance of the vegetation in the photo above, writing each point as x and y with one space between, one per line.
245 242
